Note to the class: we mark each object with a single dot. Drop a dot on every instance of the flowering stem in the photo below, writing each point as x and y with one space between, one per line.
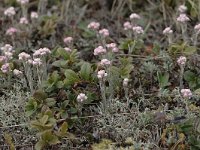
181 77
184 29
103 94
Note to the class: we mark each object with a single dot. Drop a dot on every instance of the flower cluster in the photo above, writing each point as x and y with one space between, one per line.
5 68
67 49
41 52
68 40
23 20
36 62
104 32
24 56
186 93
105 62
181 60
10 12
182 8
101 74
34 15
182 18
7 48
81 97
132 25
23 2
197 27
93 25
167 31
138 30
125 82
134 16
99 51
113 47
11 31
17 72
127 25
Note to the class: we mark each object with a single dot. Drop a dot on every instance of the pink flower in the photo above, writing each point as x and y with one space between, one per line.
68 40
138 30
10 12
134 16
105 62
186 93
23 20
7 48
113 47
9 55
17 72
23 2
34 15
11 31
41 52
67 49
24 56
197 27
5 68
101 74
81 97
99 51
125 82
37 62
94 25
181 60
182 8
167 31
182 18
127 25
3 59
104 32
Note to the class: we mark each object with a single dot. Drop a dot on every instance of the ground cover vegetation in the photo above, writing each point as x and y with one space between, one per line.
100 74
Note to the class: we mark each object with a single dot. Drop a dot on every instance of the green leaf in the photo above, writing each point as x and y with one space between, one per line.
60 63
71 77
189 50
62 52
31 107
40 95
63 129
40 145
50 138
85 71
44 119
163 79
50 102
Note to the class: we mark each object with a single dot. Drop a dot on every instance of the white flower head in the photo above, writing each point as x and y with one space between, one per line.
167 31
105 62
186 93
93 25
34 15
101 74
182 18
10 12
99 51
134 16
127 25
138 30
182 8
125 82
23 20
181 60
104 32
81 97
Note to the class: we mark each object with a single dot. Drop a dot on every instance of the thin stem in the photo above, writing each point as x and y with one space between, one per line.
181 77
103 94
